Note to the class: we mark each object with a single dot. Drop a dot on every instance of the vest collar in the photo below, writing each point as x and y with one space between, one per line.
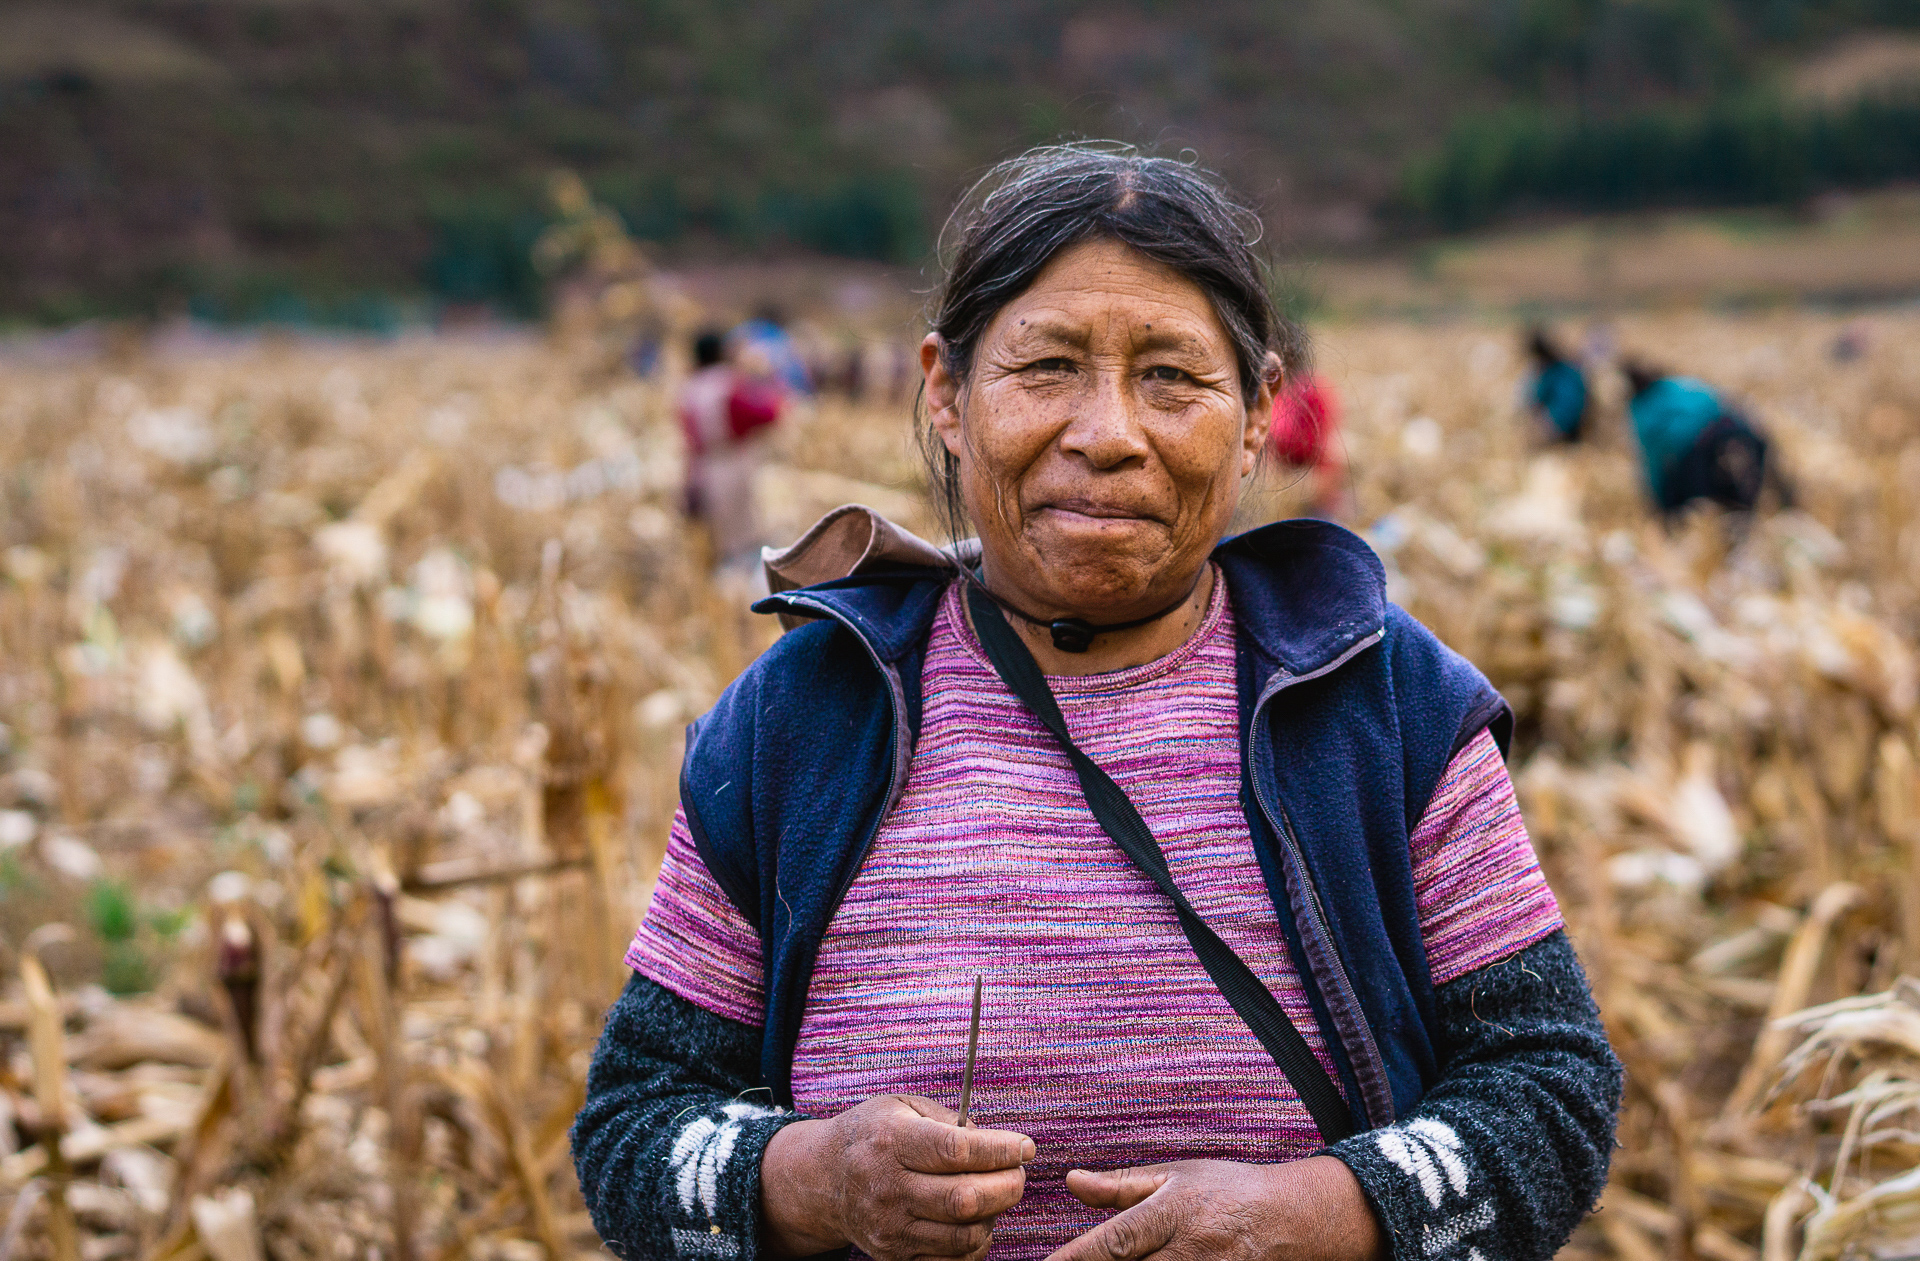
1306 592
891 606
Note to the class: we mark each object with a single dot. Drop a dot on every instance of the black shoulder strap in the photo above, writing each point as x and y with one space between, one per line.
1116 814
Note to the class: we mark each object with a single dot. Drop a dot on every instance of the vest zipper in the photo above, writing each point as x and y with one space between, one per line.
898 759
1377 1099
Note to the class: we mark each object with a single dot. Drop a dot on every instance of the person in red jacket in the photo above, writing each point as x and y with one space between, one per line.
1305 434
725 411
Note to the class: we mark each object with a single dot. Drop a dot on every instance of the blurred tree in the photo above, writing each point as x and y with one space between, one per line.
399 148
1751 149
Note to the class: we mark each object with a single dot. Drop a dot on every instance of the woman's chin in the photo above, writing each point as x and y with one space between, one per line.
1098 566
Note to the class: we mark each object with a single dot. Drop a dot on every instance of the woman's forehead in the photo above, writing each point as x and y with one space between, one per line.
1100 288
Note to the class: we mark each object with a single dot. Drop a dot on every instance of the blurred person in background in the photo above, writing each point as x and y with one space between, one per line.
646 353
1305 434
1557 391
766 335
1694 445
726 407
1271 968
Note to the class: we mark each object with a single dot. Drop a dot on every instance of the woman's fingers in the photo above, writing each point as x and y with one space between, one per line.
969 1197
946 1239
930 1108
927 1146
1138 1232
915 1185
1116 1188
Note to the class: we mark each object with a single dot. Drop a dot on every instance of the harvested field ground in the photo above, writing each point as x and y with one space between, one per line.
343 687
1853 249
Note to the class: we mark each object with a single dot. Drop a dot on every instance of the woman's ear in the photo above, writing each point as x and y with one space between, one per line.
943 392
1260 412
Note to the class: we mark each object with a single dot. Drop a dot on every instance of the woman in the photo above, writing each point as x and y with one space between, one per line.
725 409
1336 1016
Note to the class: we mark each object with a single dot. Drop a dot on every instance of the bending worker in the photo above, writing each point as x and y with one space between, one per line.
1693 445
1269 967
1558 390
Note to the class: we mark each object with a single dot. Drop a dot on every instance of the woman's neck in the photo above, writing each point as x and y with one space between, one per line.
1121 649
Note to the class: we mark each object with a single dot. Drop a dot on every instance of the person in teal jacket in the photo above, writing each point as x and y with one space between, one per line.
1693 445
1558 391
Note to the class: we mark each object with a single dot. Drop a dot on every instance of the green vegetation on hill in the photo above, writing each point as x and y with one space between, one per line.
1738 151
323 159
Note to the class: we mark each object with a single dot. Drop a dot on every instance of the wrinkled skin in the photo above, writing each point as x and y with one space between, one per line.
1102 436
893 1176
1222 1210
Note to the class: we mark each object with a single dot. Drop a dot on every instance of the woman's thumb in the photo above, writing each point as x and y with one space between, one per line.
1115 1188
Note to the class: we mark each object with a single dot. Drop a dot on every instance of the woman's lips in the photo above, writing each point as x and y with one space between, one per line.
1100 512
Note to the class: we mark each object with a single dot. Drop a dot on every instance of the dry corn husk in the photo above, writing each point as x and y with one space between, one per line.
371 661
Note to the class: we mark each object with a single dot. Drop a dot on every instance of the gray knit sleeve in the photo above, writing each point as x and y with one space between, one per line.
1509 1150
669 1142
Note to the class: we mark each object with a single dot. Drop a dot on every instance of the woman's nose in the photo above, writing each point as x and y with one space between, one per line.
1104 428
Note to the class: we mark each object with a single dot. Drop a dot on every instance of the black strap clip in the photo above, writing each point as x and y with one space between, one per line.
1072 634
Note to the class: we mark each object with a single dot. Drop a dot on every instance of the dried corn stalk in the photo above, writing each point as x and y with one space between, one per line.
362 669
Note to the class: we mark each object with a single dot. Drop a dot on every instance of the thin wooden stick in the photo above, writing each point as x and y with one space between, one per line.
973 1052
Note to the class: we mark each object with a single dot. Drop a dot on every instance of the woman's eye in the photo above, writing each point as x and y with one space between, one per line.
1165 373
1051 365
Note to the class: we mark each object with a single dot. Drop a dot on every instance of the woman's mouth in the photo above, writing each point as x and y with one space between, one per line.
1096 511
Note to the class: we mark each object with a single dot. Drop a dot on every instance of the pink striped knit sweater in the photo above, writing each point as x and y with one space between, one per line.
1102 1036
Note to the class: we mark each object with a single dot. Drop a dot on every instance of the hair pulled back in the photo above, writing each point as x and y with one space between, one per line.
1026 210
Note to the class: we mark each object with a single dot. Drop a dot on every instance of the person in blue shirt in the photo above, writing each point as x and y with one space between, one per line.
1694 445
1559 389
766 332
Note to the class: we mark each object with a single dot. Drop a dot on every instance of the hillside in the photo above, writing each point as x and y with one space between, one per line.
256 156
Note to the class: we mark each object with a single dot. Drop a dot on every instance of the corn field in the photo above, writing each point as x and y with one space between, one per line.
342 688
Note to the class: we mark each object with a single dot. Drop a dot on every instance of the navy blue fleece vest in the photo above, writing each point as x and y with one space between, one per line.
1351 711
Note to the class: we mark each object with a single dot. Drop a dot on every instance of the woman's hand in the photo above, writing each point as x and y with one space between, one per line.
1308 1210
893 1176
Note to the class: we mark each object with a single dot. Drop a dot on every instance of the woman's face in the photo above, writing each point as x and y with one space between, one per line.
1102 435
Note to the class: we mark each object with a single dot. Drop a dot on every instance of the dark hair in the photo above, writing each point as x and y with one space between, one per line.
709 348
1026 210
1541 346
1642 375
